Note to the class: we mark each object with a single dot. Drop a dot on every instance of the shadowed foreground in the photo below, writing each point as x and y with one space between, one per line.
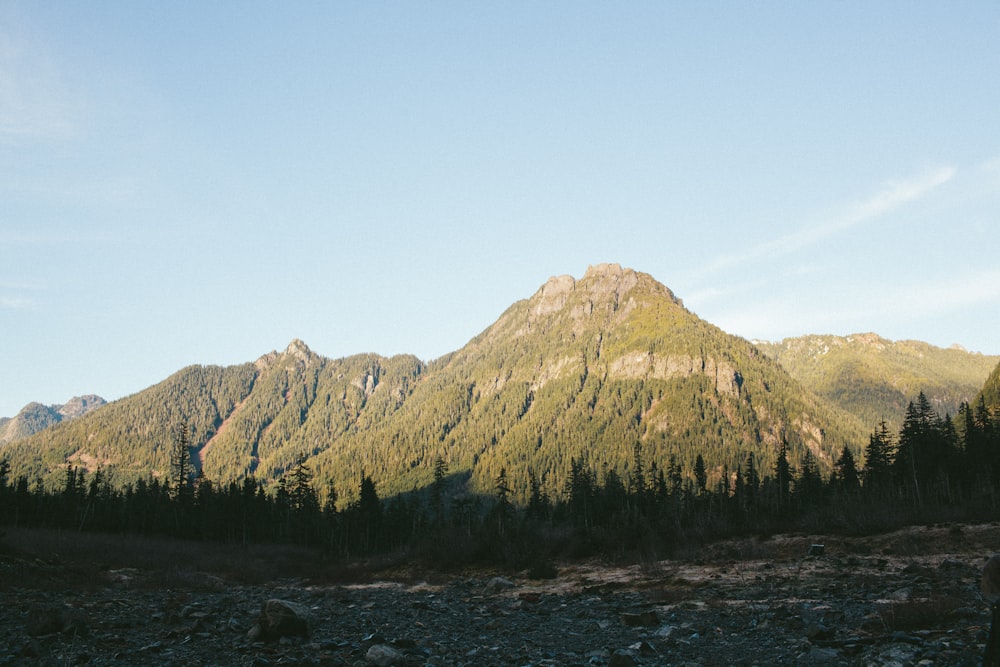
908 597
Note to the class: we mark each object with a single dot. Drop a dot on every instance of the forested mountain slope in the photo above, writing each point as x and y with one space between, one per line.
990 392
874 378
584 369
589 368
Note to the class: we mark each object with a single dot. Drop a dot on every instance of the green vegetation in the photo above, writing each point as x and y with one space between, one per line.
990 394
932 469
875 379
597 416
36 417
585 370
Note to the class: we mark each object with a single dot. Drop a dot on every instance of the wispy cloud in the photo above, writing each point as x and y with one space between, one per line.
892 196
49 237
16 303
35 103
968 290
888 309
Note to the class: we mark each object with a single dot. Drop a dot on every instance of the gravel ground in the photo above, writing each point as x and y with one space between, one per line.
907 598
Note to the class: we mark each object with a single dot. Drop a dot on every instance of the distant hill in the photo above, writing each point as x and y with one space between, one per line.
874 378
35 417
990 392
584 368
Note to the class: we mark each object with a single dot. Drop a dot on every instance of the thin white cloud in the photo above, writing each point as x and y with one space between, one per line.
990 169
44 237
16 303
893 195
969 290
18 285
991 165
881 311
35 103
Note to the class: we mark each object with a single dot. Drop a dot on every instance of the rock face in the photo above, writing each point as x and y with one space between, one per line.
35 417
78 406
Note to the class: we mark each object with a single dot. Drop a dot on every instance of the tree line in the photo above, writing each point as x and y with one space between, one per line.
933 468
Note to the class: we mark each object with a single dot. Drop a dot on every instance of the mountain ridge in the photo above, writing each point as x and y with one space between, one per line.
875 378
591 369
35 416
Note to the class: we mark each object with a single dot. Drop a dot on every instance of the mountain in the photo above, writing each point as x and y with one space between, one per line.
34 417
990 393
874 378
584 369
588 368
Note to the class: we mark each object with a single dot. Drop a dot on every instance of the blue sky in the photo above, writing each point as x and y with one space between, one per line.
188 182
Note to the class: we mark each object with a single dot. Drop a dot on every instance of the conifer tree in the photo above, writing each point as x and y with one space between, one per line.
331 517
637 477
700 474
921 453
752 481
437 490
675 476
503 506
846 472
368 513
180 463
879 456
303 502
538 501
809 485
783 474
580 492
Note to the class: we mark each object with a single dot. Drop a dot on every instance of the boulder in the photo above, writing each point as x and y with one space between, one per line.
382 655
281 618
498 585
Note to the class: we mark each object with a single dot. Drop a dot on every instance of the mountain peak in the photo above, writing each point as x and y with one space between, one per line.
298 348
606 270
79 406
35 416
608 284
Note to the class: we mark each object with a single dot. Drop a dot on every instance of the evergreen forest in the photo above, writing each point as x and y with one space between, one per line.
933 469
597 416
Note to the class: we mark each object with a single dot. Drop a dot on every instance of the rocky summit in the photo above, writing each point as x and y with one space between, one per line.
907 598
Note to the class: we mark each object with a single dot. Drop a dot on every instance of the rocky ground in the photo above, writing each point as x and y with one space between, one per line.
907 598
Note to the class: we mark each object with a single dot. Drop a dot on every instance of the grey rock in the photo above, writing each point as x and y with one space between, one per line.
281 618
821 656
382 655
498 585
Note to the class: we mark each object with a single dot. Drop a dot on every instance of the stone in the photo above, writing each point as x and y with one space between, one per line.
281 618
901 594
644 619
665 631
382 655
498 585
821 656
